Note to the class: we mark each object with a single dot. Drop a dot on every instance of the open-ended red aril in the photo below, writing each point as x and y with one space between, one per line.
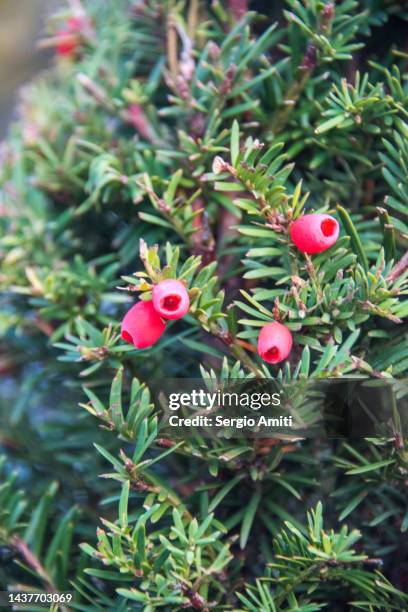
170 299
314 233
274 342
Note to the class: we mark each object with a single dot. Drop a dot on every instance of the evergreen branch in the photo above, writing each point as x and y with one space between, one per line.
303 73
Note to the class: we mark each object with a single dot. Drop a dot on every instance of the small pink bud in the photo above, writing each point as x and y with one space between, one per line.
218 165
142 325
170 299
137 118
274 342
78 24
314 233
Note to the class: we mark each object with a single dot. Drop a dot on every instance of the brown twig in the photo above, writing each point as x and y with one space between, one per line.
235 348
202 240
226 233
295 89
192 18
195 600
172 47
146 482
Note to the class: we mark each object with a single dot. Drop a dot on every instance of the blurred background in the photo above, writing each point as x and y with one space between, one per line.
21 24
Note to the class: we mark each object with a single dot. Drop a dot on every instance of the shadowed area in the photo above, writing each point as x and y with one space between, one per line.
171 302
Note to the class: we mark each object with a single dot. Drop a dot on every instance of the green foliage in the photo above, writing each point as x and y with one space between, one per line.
175 565
322 557
23 537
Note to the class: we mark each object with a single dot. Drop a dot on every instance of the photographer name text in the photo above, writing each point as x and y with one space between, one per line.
236 422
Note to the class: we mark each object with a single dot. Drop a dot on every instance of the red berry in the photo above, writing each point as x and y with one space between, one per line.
69 38
67 44
142 326
314 233
170 299
274 342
